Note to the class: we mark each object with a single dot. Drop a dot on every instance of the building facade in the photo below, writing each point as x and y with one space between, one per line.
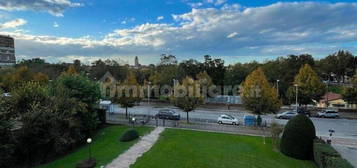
7 51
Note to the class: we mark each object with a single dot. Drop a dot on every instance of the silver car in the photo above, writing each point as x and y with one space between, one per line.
328 114
287 115
227 119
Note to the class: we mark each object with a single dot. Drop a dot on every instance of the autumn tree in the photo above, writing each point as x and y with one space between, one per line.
187 96
128 93
350 93
310 86
257 94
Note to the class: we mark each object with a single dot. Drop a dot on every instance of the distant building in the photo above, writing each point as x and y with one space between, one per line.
106 83
137 62
334 100
7 51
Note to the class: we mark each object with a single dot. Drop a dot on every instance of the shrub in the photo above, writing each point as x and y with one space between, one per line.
327 157
298 136
129 135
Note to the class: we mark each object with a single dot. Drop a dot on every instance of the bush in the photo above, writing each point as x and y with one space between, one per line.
298 138
129 135
327 157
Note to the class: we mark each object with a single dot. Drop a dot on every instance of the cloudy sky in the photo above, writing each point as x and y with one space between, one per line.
234 30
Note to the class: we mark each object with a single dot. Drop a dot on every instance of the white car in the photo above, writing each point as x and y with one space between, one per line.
286 115
328 114
227 119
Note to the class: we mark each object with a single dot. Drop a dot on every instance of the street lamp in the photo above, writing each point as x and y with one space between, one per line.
89 141
277 87
149 83
296 97
133 120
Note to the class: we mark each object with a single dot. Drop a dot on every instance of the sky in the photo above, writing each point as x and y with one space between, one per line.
233 30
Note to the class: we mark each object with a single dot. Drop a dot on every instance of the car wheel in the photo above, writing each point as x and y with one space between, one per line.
219 122
280 117
233 123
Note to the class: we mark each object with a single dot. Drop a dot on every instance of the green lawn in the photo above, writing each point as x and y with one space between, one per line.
195 149
105 147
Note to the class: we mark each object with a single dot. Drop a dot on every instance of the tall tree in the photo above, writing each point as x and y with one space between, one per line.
187 96
258 96
310 86
215 69
340 63
128 93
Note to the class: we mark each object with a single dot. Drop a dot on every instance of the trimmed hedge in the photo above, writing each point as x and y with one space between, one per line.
326 156
129 135
298 138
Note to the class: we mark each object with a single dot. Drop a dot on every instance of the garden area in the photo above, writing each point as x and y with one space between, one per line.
185 148
105 147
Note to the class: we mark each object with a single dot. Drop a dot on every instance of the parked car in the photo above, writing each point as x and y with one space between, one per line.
287 115
227 119
328 114
168 114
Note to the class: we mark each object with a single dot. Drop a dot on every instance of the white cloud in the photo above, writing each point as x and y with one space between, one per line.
54 7
277 29
159 18
55 25
232 35
12 24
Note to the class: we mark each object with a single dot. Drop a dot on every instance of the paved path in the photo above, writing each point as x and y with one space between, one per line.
129 157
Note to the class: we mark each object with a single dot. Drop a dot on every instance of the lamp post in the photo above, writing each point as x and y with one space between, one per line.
149 83
296 97
277 87
89 141
133 120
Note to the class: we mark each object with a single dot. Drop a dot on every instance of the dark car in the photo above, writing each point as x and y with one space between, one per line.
168 115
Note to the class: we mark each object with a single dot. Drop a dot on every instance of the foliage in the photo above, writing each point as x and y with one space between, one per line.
258 95
168 59
187 148
350 93
215 69
13 79
326 156
187 97
128 94
310 87
129 135
298 136
340 63
7 142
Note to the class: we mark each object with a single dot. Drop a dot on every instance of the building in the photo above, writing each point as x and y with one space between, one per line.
106 83
7 51
334 100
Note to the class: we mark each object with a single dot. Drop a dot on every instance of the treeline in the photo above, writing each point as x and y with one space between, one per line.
335 68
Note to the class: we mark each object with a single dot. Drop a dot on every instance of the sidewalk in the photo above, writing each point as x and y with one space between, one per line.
129 157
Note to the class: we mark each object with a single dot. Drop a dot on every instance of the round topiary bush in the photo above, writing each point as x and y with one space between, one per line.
129 135
298 138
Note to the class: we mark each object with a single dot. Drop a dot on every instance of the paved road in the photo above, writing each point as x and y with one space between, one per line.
344 128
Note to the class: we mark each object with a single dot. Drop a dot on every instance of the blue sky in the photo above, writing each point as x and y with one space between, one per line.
234 30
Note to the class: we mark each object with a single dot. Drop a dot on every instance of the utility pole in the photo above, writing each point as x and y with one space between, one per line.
296 97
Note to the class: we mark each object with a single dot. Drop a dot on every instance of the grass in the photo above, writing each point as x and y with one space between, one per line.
187 149
105 147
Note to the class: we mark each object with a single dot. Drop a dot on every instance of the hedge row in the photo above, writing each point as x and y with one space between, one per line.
326 156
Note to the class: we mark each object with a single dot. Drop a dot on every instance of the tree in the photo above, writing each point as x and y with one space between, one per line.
128 93
187 96
7 142
84 90
215 69
258 95
168 59
350 93
204 81
310 87
340 63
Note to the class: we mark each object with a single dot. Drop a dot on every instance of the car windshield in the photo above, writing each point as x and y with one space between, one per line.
229 116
